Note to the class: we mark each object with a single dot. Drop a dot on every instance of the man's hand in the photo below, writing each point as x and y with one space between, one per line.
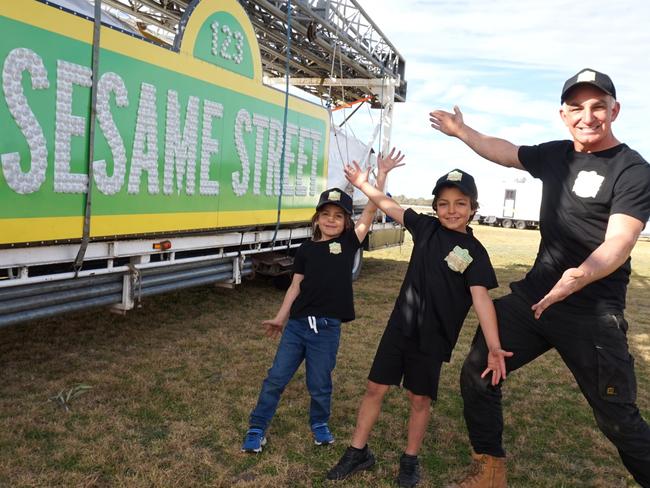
447 123
496 362
355 175
568 284
385 164
273 327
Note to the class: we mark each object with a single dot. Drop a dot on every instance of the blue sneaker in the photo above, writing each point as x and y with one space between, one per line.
322 434
254 441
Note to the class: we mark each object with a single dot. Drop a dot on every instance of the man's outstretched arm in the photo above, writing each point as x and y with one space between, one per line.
496 150
620 238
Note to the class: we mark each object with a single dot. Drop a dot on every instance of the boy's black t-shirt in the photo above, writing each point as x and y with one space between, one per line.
580 192
434 298
326 290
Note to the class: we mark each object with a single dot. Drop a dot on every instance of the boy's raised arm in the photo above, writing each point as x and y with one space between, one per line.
384 166
359 179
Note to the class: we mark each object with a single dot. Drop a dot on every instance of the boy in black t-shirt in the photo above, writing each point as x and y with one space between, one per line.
449 270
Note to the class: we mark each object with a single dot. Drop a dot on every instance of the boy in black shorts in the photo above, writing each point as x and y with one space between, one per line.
449 271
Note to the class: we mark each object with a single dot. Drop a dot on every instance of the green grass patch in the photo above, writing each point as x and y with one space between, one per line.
174 382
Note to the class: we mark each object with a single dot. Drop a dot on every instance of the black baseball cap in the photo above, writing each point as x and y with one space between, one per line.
458 178
336 196
589 77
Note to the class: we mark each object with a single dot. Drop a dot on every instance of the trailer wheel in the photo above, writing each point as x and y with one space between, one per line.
520 224
506 224
357 264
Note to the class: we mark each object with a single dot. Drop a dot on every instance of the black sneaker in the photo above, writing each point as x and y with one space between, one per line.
409 471
353 460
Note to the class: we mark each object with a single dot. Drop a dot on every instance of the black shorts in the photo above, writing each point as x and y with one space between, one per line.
399 357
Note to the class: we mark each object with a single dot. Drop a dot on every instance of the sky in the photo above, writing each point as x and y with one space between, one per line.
503 62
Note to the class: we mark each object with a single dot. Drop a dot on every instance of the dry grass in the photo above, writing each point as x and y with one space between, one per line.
173 384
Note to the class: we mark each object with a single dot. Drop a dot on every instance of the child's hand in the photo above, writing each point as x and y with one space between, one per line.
385 164
355 175
496 362
273 328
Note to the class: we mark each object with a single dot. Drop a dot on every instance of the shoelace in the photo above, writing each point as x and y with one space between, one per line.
253 435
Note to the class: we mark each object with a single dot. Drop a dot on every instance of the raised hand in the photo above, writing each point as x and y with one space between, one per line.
273 327
355 175
387 163
447 123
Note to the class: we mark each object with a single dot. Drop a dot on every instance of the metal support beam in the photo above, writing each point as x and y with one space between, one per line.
361 82
329 37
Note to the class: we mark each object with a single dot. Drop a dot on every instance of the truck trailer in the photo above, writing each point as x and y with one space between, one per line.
513 203
129 169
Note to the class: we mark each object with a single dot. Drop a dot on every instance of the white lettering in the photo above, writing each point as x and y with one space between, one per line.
301 188
209 146
180 154
315 147
273 159
18 61
110 83
287 188
240 182
261 124
145 142
68 125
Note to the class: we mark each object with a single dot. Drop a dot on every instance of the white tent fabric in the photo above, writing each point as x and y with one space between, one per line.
344 149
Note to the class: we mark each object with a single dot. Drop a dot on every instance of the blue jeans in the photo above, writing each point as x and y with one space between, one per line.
300 342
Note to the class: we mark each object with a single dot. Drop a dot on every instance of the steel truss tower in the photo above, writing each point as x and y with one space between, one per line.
337 52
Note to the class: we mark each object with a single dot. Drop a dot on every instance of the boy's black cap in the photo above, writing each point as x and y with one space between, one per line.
590 77
336 196
458 178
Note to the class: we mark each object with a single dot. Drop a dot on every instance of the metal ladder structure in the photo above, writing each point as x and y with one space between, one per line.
327 36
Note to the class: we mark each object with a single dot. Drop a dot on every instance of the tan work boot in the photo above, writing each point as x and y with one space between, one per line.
486 472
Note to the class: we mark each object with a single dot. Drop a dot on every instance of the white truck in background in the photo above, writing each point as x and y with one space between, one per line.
512 203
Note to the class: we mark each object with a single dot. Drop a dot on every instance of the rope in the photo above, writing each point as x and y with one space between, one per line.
284 124
78 262
381 110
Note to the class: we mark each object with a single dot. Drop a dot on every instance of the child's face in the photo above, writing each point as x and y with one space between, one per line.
454 209
331 221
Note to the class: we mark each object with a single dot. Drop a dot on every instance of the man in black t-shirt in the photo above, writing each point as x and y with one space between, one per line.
595 203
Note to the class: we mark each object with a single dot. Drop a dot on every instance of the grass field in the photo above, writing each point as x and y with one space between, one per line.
172 384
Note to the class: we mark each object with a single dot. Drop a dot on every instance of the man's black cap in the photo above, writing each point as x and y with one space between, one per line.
458 178
589 77
336 196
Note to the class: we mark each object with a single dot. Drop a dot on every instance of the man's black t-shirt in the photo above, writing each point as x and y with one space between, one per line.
580 192
435 298
326 290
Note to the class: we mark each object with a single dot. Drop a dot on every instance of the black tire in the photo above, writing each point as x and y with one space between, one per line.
357 264
506 224
520 224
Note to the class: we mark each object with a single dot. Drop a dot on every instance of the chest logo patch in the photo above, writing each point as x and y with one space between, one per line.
458 259
587 184
335 248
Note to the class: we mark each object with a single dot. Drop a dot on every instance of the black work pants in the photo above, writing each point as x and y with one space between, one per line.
594 347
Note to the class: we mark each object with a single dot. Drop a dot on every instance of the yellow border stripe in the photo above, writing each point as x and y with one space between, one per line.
63 228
